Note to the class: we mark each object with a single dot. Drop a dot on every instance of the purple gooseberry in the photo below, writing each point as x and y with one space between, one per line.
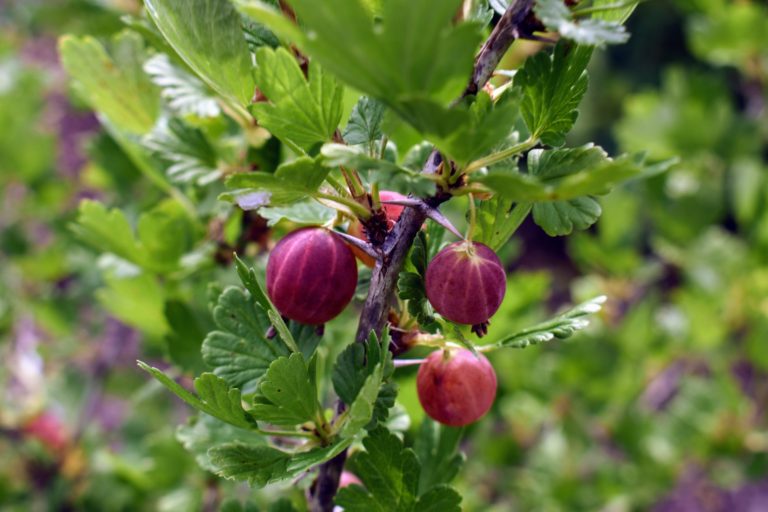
456 387
466 283
311 276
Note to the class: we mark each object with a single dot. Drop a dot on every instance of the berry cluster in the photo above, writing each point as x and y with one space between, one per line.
312 276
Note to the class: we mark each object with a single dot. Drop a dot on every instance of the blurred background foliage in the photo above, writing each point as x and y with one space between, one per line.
661 405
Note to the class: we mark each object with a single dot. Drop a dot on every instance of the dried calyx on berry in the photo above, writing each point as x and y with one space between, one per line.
311 276
466 283
456 387
379 224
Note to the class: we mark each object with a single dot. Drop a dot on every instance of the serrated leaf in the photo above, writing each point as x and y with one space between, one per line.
239 351
558 218
437 447
589 31
474 127
292 182
411 285
207 36
185 337
214 397
113 83
257 35
383 58
163 234
202 432
553 87
497 220
562 326
302 111
303 213
248 278
390 473
190 156
364 125
287 394
334 155
184 92
262 465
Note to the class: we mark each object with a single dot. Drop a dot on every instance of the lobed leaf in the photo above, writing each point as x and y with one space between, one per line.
562 326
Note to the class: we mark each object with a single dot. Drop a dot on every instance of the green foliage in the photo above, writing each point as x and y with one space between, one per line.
390 474
214 397
590 31
207 35
292 182
560 181
437 447
364 125
239 352
561 327
553 87
113 83
186 149
262 465
163 235
298 111
411 283
184 92
288 393
497 220
385 59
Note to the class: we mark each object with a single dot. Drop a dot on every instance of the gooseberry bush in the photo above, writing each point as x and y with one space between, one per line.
341 142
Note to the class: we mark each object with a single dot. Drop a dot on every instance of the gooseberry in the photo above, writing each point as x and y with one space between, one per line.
456 387
466 283
311 276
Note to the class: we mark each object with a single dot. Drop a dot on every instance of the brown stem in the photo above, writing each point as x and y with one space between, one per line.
516 21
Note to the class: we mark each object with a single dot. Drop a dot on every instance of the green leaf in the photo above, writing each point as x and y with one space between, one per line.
562 326
239 351
300 111
190 156
437 447
248 278
287 394
184 93
560 180
214 397
359 379
386 58
114 85
390 473
589 31
364 125
292 182
137 300
411 285
473 128
303 213
163 235
207 35
202 432
257 35
262 465
107 230
497 220
553 87
334 155
560 218
356 363
185 337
